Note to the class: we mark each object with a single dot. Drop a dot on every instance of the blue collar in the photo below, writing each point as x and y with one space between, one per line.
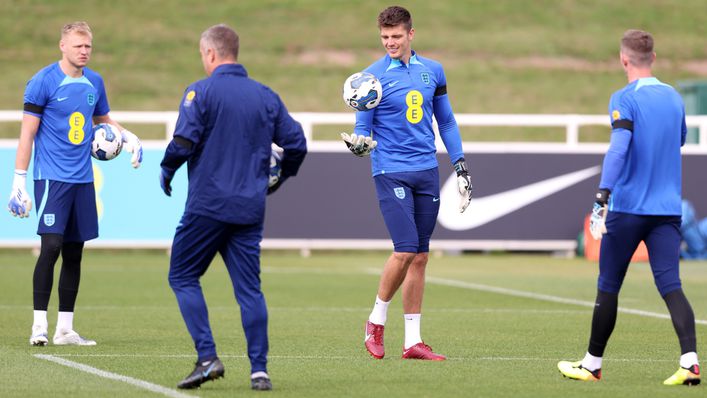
230 69
648 81
395 63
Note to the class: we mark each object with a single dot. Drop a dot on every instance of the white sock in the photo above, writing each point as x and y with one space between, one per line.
412 330
591 363
380 312
688 359
40 319
259 374
65 321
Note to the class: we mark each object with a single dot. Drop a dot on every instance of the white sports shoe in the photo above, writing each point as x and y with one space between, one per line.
70 337
39 336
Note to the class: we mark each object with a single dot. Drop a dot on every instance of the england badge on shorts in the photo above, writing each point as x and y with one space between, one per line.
49 220
399 192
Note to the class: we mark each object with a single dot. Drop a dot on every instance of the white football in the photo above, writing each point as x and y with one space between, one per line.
107 142
362 91
275 169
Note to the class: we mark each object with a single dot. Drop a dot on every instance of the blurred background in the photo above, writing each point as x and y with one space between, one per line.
503 56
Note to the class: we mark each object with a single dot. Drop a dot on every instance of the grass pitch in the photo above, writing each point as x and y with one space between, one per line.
503 321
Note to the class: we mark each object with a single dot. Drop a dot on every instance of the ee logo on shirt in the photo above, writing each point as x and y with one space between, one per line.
414 100
76 123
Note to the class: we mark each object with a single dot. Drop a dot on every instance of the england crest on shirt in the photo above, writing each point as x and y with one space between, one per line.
425 77
49 220
399 192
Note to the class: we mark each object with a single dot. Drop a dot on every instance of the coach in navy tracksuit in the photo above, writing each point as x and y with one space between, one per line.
227 123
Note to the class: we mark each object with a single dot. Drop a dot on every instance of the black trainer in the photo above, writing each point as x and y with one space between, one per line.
203 372
261 384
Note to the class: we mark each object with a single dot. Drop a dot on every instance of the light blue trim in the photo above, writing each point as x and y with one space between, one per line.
72 80
413 60
43 202
648 81
394 63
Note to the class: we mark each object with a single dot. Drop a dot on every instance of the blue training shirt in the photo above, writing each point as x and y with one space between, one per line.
66 106
643 167
230 121
402 122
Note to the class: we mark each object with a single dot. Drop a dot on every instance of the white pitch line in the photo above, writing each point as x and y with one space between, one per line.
534 296
543 297
350 358
114 376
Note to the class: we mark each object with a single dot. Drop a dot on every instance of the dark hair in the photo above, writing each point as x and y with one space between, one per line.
638 46
223 40
394 16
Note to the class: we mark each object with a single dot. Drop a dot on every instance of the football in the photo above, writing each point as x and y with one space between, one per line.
275 168
107 142
362 91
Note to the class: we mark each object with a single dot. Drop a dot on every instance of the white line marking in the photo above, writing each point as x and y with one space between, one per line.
351 358
543 297
114 376
534 296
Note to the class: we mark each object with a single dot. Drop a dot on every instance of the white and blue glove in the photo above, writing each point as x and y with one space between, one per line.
463 184
359 145
132 144
20 203
597 221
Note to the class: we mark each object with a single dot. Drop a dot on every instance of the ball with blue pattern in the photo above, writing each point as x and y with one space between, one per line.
107 142
275 168
362 91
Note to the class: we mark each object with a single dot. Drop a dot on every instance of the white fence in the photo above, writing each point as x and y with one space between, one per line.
571 123
571 144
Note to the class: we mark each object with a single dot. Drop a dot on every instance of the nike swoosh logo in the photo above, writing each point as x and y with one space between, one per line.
391 84
368 336
435 199
62 98
489 208
208 370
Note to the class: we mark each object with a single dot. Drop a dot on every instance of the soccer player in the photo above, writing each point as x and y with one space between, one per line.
639 200
226 126
405 172
61 103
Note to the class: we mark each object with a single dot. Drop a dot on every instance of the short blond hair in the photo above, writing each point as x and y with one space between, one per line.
79 27
638 46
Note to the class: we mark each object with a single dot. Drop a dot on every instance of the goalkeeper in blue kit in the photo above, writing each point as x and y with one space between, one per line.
399 137
61 103
639 199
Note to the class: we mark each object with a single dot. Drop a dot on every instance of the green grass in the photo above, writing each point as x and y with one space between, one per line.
505 56
498 345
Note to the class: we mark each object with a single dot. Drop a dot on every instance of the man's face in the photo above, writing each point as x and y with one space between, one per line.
76 48
396 41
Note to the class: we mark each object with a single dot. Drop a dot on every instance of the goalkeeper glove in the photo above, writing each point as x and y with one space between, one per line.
132 144
597 221
166 181
20 203
463 183
359 145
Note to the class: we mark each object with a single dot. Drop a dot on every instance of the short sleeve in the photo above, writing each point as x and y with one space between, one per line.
36 92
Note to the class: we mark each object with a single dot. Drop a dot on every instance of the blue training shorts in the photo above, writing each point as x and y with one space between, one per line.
66 209
409 202
624 232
